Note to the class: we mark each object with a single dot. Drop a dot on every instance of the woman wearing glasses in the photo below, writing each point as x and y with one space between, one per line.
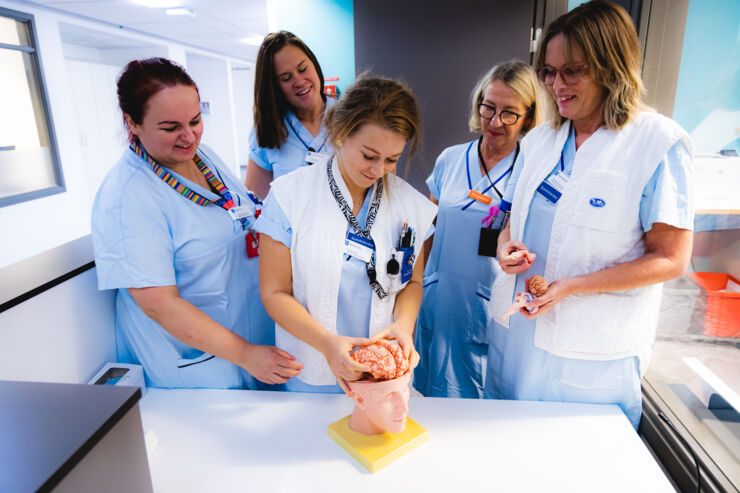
602 204
467 182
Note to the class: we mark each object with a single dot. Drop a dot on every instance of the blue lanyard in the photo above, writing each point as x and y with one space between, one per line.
308 148
467 169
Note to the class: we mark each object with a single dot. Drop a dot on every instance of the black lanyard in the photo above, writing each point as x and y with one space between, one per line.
352 220
483 163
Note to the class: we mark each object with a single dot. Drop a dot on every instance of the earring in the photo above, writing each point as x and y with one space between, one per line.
339 144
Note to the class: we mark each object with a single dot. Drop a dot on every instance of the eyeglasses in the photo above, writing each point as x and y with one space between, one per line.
570 74
507 117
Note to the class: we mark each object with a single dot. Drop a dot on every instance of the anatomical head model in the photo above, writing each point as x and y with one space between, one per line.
381 400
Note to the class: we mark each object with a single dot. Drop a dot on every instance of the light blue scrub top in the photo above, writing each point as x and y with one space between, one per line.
355 294
291 155
146 234
519 370
455 311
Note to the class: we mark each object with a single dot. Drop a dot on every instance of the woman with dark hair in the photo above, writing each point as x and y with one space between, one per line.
169 225
602 209
289 107
341 240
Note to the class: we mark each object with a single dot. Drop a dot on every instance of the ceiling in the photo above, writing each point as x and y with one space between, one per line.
215 25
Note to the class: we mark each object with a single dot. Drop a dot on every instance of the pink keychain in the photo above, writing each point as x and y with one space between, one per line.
492 212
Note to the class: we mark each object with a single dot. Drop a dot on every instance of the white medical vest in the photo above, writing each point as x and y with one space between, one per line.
317 251
596 226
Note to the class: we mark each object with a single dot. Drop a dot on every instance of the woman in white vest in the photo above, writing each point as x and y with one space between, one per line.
341 240
602 208
468 182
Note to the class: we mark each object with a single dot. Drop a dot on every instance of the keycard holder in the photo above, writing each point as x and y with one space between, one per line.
488 242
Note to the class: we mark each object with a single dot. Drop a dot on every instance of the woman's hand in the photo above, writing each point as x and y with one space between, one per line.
270 364
556 292
336 350
514 257
402 334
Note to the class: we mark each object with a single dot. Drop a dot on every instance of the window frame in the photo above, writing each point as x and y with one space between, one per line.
33 50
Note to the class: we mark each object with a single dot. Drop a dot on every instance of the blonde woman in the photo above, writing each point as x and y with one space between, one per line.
603 208
468 180
341 240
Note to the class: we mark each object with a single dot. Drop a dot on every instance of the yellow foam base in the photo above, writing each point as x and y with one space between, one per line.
375 452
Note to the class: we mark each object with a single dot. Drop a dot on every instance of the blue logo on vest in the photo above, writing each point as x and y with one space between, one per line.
597 202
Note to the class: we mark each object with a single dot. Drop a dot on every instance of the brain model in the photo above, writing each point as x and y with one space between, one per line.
537 285
385 360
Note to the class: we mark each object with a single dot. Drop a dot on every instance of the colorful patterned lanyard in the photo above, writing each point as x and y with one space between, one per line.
226 201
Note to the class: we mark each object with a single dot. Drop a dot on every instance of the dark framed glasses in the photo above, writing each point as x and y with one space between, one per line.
507 117
570 74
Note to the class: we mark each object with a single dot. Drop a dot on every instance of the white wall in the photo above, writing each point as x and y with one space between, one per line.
65 334
101 135
243 82
86 144
213 77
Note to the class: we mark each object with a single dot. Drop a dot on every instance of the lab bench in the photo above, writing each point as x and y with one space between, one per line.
232 440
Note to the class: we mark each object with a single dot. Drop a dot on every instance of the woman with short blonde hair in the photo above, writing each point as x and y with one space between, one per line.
467 182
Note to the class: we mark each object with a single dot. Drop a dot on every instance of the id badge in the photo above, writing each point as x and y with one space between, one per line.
488 242
359 247
476 195
407 264
253 244
316 158
553 186
239 212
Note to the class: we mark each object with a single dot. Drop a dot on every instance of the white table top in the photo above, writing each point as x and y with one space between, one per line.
231 440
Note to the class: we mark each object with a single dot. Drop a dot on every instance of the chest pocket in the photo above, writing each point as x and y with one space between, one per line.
601 201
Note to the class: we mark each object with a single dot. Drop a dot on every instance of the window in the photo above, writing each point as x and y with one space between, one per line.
29 161
693 383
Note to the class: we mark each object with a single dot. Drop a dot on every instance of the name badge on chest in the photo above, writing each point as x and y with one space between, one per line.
553 186
239 212
359 247
313 157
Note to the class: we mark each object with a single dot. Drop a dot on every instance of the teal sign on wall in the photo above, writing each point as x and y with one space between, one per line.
327 27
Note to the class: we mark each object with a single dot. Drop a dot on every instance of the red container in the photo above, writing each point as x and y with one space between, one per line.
722 318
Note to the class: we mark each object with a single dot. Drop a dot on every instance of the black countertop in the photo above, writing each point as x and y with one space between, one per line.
47 428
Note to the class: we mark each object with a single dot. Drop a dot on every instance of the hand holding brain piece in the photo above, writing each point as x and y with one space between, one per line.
385 359
537 285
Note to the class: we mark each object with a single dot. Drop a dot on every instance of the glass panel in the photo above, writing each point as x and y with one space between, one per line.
26 162
696 356
14 32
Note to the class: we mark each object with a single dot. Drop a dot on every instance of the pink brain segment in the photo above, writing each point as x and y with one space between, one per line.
384 359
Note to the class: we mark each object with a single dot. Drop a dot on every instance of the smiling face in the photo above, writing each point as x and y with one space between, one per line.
496 135
368 154
581 101
298 78
171 127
